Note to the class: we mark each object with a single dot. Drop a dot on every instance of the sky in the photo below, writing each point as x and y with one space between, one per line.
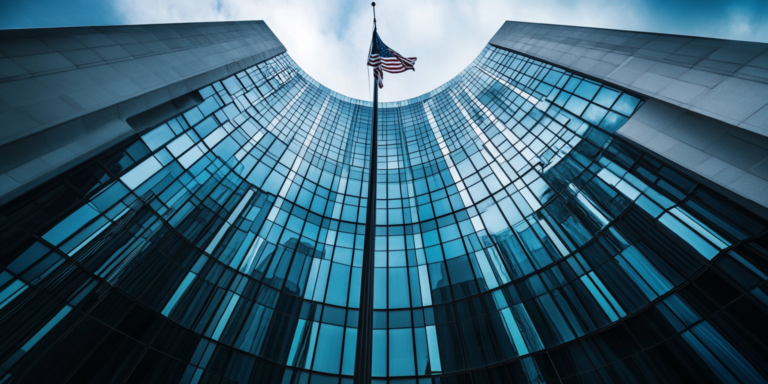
330 39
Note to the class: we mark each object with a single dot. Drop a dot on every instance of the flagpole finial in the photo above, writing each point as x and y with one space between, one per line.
373 4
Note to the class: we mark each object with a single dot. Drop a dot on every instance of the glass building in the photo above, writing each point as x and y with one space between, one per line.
522 234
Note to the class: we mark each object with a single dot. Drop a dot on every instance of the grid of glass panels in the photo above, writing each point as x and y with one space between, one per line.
516 239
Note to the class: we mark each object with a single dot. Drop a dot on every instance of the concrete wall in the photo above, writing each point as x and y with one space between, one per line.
722 156
707 99
65 93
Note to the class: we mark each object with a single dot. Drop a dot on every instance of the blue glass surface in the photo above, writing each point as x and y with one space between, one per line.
509 220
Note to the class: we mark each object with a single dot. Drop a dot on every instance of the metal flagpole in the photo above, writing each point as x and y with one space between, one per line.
365 317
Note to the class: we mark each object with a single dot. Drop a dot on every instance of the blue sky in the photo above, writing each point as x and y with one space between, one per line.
329 39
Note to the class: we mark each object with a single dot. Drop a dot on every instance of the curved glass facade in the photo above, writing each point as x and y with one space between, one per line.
517 239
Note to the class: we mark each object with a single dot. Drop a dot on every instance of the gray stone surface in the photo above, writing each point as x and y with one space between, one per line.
730 159
723 79
65 93
706 108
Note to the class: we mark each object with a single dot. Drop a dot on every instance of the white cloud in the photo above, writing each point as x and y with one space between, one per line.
330 39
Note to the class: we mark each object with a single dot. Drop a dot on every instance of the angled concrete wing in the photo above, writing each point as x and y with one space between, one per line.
66 92
707 99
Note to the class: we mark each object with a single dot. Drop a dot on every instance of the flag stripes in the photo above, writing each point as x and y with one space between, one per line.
384 59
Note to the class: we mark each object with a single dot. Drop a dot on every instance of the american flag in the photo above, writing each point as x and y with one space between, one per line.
383 58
